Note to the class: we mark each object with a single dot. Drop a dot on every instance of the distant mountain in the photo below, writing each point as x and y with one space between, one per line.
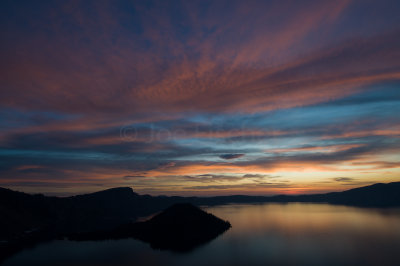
180 227
26 219
378 195
23 213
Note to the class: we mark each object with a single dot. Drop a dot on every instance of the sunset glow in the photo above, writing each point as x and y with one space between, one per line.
199 97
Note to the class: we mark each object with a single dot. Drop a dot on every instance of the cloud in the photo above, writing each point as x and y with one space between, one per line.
258 176
130 177
230 156
243 186
344 179
124 72
211 178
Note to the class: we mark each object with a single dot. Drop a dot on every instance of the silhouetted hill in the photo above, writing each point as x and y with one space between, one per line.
22 212
118 192
103 209
180 227
377 195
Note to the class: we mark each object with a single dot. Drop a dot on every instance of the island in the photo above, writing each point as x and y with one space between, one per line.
181 227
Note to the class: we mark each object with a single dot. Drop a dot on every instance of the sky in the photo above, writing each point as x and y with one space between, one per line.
199 97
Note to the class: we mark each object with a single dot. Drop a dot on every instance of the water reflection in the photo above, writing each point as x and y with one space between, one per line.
284 234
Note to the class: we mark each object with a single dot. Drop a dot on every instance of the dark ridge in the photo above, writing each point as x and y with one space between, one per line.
377 195
181 227
29 219
118 192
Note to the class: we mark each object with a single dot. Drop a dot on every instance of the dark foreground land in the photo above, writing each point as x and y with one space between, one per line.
180 227
28 219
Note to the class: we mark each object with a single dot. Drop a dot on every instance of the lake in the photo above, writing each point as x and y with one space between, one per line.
261 234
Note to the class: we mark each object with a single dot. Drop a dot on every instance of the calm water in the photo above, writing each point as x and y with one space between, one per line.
266 234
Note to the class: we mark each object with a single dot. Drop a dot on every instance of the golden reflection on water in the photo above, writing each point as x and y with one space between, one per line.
318 221
298 233
298 217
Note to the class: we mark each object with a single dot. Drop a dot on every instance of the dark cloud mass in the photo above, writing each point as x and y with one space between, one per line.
230 156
